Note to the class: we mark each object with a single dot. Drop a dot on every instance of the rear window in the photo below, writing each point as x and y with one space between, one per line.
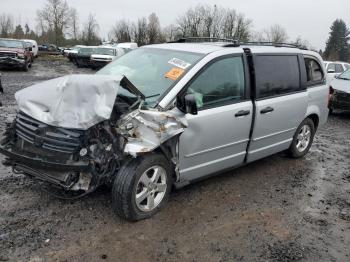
339 68
277 75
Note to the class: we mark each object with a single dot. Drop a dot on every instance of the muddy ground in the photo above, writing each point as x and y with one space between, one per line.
277 209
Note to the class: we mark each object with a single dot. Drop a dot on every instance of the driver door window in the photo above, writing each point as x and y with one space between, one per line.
221 83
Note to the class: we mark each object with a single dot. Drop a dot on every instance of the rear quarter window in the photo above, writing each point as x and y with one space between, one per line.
314 72
277 75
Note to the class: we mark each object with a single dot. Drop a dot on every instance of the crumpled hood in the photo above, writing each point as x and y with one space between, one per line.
73 101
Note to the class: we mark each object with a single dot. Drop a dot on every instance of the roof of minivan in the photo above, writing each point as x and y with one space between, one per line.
206 48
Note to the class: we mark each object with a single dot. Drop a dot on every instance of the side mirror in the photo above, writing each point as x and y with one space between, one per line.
331 71
190 104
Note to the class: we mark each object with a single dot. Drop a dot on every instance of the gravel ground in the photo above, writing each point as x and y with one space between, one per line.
276 209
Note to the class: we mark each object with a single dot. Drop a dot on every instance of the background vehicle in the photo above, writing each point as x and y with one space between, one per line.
103 55
340 92
35 47
82 58
168 114
29 45
127 46
72 52
15 53
335 68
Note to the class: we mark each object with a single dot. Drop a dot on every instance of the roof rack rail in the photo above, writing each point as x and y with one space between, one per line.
235 42
275 44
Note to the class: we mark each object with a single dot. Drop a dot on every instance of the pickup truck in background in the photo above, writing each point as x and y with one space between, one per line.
15 53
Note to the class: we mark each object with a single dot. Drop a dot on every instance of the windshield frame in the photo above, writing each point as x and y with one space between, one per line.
175 82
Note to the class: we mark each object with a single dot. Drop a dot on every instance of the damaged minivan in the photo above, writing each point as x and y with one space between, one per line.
167 115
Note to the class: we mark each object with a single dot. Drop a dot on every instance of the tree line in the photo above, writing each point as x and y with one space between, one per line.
58 23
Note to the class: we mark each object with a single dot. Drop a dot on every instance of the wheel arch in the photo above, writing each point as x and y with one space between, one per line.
313 112
315 118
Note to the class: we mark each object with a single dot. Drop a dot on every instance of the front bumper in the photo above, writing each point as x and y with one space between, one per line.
10 61
340 100
99 63
18 158
63 175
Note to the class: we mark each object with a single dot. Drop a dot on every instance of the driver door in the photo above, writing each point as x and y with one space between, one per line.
217 137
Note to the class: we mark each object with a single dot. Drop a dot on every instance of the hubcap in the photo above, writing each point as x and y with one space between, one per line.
151 188
304 138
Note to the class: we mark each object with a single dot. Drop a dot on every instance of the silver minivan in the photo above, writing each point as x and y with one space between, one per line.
167 115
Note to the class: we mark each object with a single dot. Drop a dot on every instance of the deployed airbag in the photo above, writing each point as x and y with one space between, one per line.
73 101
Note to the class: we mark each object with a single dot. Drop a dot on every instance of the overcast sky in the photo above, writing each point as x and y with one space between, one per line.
309 19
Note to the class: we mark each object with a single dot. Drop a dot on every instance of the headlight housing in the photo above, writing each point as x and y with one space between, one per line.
21 56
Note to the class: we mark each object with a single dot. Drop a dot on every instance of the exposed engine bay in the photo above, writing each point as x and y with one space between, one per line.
76 132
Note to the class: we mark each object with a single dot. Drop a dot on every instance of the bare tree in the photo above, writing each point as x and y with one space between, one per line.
276 34
213 21
121 32
91 27
55 18
74 18
153 29
171 33
139 31
6 25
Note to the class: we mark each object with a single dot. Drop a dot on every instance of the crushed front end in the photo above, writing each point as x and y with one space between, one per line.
11 59
79 132
69 158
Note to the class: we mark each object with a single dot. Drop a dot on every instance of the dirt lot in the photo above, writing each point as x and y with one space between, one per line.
277 209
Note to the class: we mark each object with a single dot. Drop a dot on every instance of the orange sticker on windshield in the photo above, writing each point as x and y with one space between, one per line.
174 73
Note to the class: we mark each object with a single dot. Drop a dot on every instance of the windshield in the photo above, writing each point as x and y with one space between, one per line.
11 43
152 70
345 75
87 50
104 51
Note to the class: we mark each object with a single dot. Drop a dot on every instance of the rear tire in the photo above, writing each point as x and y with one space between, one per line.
302 139
142 187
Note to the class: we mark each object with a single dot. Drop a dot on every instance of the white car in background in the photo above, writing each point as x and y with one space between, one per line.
35 48
335 68
103 55
127 46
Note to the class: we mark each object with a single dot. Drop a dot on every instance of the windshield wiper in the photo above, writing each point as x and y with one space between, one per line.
342 78
152 96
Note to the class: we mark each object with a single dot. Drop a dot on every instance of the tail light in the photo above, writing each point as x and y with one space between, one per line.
331 92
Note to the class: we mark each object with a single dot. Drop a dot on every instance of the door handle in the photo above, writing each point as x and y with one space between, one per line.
242 113
266 110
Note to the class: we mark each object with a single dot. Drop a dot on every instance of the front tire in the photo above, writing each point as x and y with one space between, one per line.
142 187
302 139
26 66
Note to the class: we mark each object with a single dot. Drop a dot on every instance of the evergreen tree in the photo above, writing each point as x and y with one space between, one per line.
19 33
337 47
